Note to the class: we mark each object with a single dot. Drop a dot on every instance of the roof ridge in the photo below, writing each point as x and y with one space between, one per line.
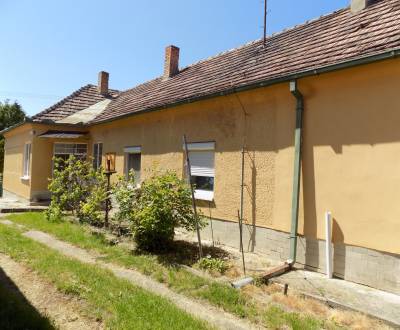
273 35
71 97
249 43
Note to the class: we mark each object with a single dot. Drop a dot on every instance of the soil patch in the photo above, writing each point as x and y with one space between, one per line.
64 311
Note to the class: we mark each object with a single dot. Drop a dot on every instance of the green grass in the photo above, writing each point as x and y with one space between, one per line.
178 279
119 303
17 313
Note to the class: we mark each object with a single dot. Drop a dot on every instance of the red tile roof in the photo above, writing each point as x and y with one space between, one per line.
334 38
78 100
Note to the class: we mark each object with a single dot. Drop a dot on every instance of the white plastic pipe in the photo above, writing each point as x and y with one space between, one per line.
328 247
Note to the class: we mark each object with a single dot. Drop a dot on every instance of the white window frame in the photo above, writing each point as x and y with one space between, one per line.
54 151
133 150
67 153
26 165
200 194
99 157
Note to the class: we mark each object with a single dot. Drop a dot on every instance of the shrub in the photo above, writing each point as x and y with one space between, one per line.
161 204
125 194
78 188
213 264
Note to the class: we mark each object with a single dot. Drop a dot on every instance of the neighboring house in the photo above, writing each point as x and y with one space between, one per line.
347 68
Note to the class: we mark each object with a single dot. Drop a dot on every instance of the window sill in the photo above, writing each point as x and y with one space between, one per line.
204 195
25 178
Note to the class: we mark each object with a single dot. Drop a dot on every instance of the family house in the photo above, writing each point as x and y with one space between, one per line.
315 111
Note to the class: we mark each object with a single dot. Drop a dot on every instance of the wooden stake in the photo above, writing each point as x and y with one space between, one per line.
193 199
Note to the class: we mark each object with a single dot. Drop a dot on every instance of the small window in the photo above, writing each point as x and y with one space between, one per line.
62 151
27 161
202 170
97 155
133 158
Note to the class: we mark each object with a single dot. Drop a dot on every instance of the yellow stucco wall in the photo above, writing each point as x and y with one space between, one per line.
41 159
351 163
42 154
13 161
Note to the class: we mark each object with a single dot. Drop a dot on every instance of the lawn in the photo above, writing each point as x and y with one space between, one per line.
176 278
117 302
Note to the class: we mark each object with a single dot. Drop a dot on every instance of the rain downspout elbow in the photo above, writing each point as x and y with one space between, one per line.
297 170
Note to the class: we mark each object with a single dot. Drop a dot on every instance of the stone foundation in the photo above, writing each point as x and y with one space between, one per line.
376 269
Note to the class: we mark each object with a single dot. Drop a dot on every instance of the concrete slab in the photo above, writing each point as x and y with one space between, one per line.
12 205
379 304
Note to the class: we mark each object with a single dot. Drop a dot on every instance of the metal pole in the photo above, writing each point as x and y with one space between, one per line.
108 174
211 224
242 186
241 242
328 248
193 199
265 22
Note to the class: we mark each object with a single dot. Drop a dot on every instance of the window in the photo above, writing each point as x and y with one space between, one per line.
63 151
27 161
133 161
201 158
97 155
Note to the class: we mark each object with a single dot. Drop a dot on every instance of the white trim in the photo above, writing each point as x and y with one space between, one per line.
200 146
69 143
204 195
25 178
26 165
133 150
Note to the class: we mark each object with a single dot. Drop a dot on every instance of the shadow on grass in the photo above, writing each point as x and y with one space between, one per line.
184 253
15 310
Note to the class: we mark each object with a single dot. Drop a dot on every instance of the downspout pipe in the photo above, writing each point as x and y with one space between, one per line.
297 170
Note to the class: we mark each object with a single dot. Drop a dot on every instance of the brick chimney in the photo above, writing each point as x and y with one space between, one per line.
103 83
359 5
171 63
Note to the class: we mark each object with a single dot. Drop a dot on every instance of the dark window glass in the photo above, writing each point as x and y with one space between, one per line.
97 155
134 163
203 182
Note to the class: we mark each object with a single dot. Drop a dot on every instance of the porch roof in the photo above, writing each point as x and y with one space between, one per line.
62 134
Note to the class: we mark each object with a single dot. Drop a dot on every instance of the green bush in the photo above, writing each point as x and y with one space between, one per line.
213 264
161 204
77 187
125 193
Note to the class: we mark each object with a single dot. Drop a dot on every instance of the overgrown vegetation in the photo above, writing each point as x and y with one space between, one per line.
154 209
213 264
117 302
178 279
78 188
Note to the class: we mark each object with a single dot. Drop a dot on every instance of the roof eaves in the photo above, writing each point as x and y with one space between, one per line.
27 120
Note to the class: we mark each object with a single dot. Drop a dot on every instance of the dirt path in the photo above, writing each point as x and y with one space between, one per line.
61 309
202 310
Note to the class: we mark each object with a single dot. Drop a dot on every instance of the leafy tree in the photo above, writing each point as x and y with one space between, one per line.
77 187
10 114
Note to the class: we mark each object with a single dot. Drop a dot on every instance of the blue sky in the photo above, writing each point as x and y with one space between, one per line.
51 48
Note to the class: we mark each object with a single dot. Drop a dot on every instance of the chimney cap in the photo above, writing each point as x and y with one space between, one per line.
103 82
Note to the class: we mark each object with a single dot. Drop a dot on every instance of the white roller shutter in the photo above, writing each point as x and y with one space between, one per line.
202 163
